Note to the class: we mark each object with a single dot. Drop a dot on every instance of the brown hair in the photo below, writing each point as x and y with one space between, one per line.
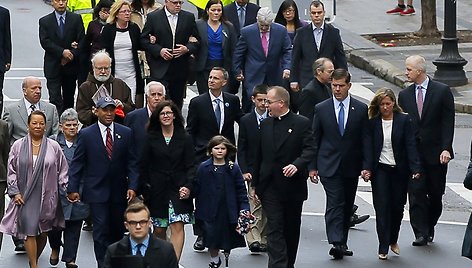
136 207
219 139
374 106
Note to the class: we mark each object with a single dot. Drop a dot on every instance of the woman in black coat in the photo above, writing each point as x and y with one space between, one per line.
396 162
121 39
167 170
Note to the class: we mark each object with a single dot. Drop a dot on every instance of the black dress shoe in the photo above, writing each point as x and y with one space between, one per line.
420 241
71 265
255 247
346 252
337 252
356 219
53 262
263 248
20 248
88 227
431 235
198 245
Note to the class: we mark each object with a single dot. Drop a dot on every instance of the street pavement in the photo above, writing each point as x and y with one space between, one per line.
354 17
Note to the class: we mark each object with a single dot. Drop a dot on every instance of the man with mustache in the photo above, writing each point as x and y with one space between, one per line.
116 88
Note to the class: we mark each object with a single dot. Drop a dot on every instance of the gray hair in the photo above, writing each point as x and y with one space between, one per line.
418 62
69 115
319 64
154 83
24 84
265 15
100 54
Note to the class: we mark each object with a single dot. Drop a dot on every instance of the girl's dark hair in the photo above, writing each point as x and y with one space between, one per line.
280 14
100 5
207 7
154 124
217 140
37 112
137 4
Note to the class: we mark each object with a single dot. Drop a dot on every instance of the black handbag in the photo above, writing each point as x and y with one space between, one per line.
468 177
467 243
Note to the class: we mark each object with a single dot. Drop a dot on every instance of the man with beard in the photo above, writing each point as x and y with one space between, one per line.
116 88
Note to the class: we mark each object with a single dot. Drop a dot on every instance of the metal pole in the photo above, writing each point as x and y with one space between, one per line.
449 65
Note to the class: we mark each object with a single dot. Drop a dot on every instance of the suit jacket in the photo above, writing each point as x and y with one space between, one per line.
258 68
206 189
54 45
248 142
159 254
16 116
104 179
231 13
313 93
107 39
158 26
164 169
4 150
5 38
403 144
229 42
434 131
137 120
347 154
293 146
305 52
201 120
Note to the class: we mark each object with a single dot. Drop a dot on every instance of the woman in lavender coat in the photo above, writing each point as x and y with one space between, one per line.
37 169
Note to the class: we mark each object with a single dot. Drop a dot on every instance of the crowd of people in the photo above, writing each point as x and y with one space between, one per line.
137 165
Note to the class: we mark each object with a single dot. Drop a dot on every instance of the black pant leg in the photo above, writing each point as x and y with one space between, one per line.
2 77
350 188
69 84
334 215
419 206
293 221
55 239
71 240
54 85
381 186
435 187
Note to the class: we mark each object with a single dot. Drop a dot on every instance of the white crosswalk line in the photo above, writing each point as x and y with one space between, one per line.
459 189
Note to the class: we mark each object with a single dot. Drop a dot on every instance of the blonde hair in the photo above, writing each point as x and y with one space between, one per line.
374 106
115 8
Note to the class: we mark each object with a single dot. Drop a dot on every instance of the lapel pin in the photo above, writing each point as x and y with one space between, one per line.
118 136
289 130
226 104
352 108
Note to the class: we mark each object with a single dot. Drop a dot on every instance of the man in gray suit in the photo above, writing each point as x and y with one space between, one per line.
16 114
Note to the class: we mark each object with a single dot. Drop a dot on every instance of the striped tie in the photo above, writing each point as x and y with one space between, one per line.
109 143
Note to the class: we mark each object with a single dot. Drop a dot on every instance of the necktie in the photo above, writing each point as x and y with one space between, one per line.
109 143
318 33
419 99
218 113
265 43
32 107
61 26
138 249
242 17
341 119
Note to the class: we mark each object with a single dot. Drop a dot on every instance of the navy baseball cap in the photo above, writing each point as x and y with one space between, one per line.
105 101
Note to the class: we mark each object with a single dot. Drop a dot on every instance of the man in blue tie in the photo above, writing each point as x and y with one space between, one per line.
156 253
343 152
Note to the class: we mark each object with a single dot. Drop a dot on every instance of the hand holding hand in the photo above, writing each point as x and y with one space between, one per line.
180 50
73 197
166 53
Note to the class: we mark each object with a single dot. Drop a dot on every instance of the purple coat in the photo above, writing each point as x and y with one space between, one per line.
54 176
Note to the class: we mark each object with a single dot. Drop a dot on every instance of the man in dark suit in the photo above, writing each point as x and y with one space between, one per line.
317 90
314 41
241 13
137 120
61 34
286 148
168 57
262 55
343 152
430 104
5 48
210 114
105 161
155 253
248 142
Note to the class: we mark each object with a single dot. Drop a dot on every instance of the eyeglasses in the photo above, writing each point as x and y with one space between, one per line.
166 113
124 11
288 11
177 2
135 223
71 125
102 68
266 101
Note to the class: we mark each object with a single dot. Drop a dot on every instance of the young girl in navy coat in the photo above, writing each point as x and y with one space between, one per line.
221 196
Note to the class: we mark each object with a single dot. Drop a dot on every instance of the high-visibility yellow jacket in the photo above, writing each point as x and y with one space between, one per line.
202 3
84 8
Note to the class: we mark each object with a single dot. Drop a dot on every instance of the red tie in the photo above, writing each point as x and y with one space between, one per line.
419 100
109 143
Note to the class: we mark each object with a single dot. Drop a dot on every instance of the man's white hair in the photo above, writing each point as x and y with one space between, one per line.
154 83
265 15
100 54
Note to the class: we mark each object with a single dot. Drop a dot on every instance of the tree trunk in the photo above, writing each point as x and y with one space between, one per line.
429 26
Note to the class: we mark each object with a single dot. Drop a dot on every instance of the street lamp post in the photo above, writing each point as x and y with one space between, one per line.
449 65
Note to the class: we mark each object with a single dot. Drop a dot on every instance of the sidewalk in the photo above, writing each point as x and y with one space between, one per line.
355 18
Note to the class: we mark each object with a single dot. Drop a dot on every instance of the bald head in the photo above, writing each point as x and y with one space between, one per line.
32 89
